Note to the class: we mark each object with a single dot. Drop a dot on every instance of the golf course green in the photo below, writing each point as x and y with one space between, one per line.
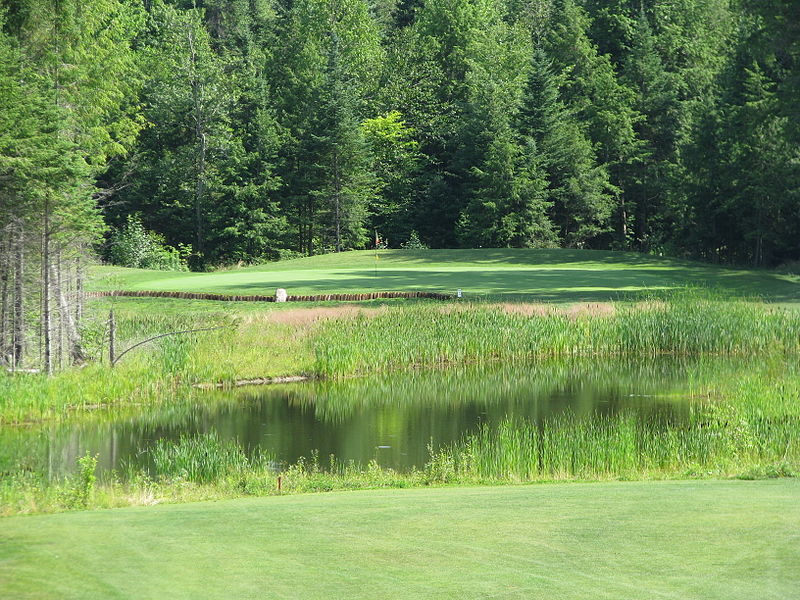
558 275
686 539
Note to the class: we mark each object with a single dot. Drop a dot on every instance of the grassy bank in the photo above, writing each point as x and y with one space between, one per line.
252 344
609 540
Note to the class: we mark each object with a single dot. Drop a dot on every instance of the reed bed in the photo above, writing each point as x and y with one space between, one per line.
685 323
748 425
753 430
203 459
619 447
255 345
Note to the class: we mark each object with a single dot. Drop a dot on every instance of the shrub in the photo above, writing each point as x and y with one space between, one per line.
414 243
134 246
79 493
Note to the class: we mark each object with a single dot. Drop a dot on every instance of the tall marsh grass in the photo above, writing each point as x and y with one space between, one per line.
682 323
202 458
753 429
396 337
617 447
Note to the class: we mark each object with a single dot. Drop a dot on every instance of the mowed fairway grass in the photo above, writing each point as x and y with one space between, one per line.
681 540
561 276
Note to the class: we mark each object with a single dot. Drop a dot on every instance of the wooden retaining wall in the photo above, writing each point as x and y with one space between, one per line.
255 298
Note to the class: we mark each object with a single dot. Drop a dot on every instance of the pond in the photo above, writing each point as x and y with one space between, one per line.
393 418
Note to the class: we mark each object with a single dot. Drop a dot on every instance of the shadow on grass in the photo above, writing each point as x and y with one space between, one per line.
480 256
551 285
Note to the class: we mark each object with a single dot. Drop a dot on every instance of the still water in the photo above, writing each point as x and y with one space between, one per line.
392 418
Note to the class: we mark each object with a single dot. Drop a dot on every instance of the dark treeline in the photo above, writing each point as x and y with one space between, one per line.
250 129
245 130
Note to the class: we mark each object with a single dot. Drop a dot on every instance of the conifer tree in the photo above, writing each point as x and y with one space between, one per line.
327 47
743 174
187 101
778 39
80 83
397 163
344 182
590 87
505 184
657 101
247 224
578 187
427 82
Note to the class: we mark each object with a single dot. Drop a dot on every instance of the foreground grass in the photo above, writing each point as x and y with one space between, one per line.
725 540
560 276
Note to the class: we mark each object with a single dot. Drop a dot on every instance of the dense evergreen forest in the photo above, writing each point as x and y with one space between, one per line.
222 131
242 130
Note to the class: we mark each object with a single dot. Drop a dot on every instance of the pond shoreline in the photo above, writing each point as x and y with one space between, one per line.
253 382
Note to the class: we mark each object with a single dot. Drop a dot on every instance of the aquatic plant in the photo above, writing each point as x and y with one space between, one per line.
201 458
682 323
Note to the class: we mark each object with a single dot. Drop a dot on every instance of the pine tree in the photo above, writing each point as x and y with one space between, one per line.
246 223
590 87
505 185
765 175
778 41
427 83
396 164
188 101
80 84
17 130
578 187
345 184
647 178
306 84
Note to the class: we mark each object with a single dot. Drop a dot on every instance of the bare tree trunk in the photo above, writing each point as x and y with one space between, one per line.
202 144
18 352
79 287
55 274
337 195
200 188
112 338
5 305
310 215
76 353
47 317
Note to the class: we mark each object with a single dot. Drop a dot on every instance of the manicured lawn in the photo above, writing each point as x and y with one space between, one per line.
687 539
537 275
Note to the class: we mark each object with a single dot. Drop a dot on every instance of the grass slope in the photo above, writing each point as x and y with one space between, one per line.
724 539
541 275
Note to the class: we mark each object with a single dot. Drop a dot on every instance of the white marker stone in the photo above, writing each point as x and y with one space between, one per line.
280 295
